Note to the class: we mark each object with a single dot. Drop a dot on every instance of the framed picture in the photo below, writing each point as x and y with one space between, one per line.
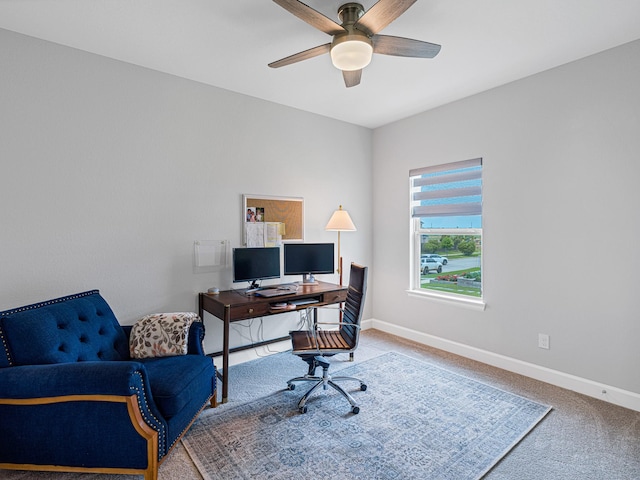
252 215
288 211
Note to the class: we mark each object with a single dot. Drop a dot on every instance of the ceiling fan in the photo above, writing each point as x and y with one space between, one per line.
357 38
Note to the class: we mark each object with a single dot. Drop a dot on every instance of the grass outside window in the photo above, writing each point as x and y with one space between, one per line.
451 286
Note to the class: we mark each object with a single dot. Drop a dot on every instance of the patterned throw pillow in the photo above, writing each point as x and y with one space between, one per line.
161 335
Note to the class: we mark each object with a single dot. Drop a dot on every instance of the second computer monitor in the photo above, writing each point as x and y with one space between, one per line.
308 260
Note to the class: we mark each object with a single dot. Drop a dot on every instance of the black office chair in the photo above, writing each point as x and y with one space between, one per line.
316 344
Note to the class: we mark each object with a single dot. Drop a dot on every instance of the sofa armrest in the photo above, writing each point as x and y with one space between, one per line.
196 336
81 378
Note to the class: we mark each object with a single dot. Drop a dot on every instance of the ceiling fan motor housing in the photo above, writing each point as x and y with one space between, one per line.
350 13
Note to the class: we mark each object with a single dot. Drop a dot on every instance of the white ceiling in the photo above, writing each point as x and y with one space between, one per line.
228 44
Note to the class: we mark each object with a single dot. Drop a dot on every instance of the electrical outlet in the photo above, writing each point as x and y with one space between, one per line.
543 341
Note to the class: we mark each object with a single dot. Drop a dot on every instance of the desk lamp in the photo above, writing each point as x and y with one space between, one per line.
340 221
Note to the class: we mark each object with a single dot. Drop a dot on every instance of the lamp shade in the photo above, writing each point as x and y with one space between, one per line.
340 221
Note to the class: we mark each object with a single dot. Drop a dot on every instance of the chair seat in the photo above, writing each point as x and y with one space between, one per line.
325 340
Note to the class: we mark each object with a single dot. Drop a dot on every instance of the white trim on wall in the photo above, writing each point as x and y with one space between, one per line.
601 391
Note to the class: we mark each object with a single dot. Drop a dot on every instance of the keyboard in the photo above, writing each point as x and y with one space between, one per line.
274 292
303 301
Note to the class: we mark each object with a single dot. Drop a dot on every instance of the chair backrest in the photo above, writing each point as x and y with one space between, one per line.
75 328
354 304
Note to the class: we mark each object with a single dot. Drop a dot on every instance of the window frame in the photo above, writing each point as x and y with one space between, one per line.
416 234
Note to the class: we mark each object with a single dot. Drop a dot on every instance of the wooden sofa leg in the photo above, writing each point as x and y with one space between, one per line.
214 399
151 474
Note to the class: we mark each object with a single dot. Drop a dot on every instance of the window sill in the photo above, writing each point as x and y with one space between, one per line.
472 303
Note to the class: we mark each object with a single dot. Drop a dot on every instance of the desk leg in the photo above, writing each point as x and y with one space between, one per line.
225 354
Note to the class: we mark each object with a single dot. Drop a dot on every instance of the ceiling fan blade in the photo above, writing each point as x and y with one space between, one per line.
352 78
298 57
404 47
311 16
382 14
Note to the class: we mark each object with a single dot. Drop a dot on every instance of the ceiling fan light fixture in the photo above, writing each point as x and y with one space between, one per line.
351 52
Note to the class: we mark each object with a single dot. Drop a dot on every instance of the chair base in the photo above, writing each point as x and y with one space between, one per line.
325 381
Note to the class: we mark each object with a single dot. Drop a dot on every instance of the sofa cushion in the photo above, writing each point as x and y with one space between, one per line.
161 335
176 381
80 327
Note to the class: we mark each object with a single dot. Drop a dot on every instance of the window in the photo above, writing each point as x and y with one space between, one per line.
446 216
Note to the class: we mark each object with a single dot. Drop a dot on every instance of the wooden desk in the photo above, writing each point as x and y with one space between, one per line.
233 306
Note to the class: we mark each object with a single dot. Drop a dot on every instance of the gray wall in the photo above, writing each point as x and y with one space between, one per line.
110 172
561 199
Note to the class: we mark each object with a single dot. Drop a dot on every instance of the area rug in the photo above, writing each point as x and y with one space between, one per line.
416 421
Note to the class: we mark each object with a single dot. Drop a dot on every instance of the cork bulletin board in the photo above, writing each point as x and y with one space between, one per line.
286 210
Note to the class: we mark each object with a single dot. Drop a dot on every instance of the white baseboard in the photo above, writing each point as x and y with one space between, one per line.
607 393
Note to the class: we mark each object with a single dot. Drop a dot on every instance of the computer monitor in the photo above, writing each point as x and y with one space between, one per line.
254 264
308 259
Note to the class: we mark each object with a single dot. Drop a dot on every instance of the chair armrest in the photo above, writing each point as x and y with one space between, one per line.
337 324
81 378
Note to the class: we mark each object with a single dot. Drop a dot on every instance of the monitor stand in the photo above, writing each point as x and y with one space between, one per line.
308 279
254 287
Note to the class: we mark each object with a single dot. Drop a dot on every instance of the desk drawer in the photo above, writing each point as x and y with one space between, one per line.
335 297
249 311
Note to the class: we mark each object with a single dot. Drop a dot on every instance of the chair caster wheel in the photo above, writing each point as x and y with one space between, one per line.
303 409
355 410
363 387
291 386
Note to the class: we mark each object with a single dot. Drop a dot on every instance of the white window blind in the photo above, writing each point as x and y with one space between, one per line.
449 195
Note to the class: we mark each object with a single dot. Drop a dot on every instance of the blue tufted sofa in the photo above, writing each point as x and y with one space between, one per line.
72 399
